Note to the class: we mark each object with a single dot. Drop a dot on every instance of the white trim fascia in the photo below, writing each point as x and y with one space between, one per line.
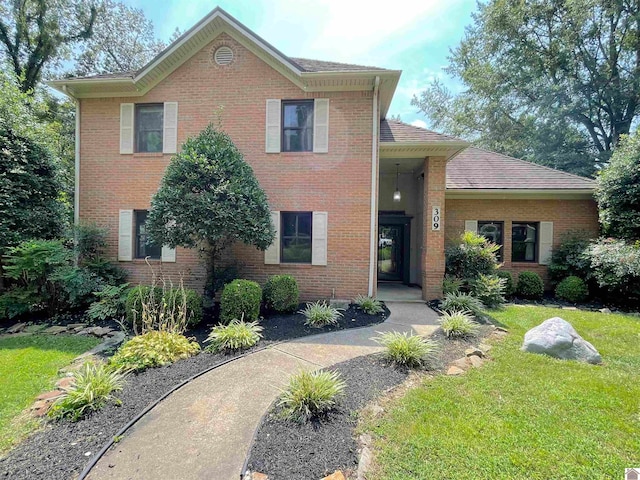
374 190
524 194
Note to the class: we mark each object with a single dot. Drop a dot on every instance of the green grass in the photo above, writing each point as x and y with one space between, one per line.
523 415
29 365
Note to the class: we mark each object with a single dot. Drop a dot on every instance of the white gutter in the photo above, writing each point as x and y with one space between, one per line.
76 180
374 188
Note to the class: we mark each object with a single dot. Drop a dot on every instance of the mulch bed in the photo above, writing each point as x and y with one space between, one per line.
285 450
61 449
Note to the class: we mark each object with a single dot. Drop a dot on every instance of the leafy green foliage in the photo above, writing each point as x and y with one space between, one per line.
311 394
110 303
92 387
509 285
237 335
153 307
281 293
240 300
572 289
90 250
618 190
210 196
616 267
407 350
153 349
461 302
471 257
451 284
369 305
530 285
489 289
320 314
571 257
458 323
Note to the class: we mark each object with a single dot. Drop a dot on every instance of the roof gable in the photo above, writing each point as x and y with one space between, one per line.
400 132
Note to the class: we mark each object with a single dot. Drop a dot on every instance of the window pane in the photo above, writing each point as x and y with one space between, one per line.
524 242
296 250
298 115
296 238
493 232
143 248
149 128
297 126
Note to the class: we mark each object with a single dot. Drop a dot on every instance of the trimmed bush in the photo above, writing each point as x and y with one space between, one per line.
281 293
530 285
154 301
407 350
369 305
489 289
311 394
471 257
572 289
461 302
319 314
571 257
240 300
458 324
615 266
153 349
509 284
235 336
90 390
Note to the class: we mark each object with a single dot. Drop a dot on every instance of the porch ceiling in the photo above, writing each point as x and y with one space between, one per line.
406 165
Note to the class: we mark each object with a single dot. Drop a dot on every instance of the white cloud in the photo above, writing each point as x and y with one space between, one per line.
419 123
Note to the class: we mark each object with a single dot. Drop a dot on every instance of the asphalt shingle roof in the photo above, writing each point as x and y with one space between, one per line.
323 66
475 168
396 131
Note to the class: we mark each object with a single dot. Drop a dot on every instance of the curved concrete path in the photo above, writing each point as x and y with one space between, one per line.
204 430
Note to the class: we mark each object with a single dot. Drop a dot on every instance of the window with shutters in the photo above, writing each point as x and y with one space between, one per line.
144 249
295 237
148 127
297 125
524 241
492 231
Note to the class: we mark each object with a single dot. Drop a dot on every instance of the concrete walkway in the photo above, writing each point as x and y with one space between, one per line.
204 430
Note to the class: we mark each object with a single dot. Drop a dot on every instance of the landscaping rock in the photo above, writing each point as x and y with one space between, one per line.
502 330
604 310
484 347
557 338
476 361
74 326
18 327
34 328
64 382
364 463
337 475
551 305
474 352
569 308
112 342
55 330
453 370
49 396
258 476
462 363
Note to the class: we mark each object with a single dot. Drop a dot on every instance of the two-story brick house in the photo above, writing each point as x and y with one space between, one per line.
355 199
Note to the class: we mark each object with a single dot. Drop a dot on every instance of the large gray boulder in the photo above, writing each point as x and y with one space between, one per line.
557 338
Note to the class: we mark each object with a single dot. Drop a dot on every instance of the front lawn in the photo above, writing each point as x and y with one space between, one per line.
523 415
29 365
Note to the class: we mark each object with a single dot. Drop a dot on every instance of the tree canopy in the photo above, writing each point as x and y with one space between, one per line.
552 81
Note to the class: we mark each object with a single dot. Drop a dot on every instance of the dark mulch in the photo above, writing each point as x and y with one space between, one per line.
60 450
286 450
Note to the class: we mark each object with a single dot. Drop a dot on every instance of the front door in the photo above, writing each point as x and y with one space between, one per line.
391 252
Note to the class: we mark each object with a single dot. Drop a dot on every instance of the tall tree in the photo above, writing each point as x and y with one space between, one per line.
36 34
544 76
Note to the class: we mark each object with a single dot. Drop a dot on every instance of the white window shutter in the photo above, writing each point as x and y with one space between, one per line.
273 128
272 254
321 125
545 243
168 254
319 238
125 236
471 226
126 128
170 128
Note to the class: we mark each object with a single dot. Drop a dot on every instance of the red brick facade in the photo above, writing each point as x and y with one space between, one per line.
338 182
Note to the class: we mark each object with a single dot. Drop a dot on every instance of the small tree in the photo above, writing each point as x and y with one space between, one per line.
208 198
618 190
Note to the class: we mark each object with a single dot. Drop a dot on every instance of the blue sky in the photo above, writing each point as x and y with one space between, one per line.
410 35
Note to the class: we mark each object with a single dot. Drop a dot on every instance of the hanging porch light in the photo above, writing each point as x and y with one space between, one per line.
397 196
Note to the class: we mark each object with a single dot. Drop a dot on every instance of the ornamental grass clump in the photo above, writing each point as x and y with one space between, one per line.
319 314
153 349
462 302
311 394
369 305
92 387
458 324
407 350
237 335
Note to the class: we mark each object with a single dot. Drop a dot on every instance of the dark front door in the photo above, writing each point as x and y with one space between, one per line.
391 252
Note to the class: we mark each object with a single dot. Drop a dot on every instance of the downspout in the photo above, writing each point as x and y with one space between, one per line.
76 194
374 187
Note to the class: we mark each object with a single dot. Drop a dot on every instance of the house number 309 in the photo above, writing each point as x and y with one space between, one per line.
435 218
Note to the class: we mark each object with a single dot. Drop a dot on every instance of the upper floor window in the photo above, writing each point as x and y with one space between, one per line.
149 127
144 249
524 242
492 231
296 237
297 126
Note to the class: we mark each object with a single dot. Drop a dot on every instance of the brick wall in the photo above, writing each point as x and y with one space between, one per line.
566 215
337 182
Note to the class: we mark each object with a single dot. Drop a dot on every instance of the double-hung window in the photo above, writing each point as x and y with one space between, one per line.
144 249
493 231
297 125
296 237
149 127
524 241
